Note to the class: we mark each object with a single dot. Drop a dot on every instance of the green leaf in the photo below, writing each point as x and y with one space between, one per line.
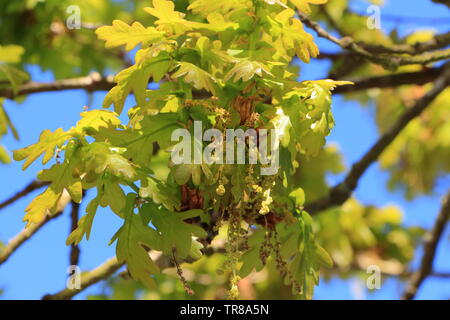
97 119
246 70
197 77
121 33
4 156
175 233
170 20
5 123
43 204
206 7
113 196
133 240
291 37
251 258
48 142
304 262
84 224
160 193
236 182
15 76
62 177
100 157
11 53
135 79
299 197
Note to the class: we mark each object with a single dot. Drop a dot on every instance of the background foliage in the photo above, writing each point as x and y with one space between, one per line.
355 234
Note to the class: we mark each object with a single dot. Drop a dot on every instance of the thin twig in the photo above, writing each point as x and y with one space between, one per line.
438 41
431 242
34 185
390 81
341 192
388 61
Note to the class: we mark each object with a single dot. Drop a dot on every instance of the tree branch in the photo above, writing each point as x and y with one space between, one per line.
388 61
93 82
341 192
88 279
444 2
33 185
28 232
107 83
390 80
431 243
23 236
108 268
439 41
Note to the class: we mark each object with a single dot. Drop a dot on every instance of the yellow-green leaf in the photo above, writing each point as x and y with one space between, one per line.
48 142
121 33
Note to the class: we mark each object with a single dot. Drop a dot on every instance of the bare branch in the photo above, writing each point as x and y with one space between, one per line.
388 61
431 242
444 2
437 42
23 236
386 81
391 80
29 231
33 185
341 192
108 268
93 82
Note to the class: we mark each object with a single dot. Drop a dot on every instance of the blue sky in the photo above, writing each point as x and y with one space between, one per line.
39 266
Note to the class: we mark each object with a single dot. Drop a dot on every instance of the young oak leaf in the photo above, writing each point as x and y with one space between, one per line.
175 233
168 19
15 76
11 53
121 33
99 157
43 204
4 156
5 123
290 34
134 238
160 193
211 52
246 70
199 78
307 259
97 119
84 224
62 177
251 258
216 23
135 79
48 142
205 7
